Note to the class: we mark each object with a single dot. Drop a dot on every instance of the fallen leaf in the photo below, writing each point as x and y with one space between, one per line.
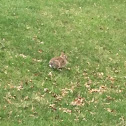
40 51
64 92
46 89
26 98
109 110
41 42
88 84
22 55
94 90
100 90
59 98
52 106
65 110
50 74
20 87
100 75
78 101
112 79
37 60
109 98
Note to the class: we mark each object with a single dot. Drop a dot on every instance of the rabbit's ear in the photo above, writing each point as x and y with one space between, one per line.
63 52
63 56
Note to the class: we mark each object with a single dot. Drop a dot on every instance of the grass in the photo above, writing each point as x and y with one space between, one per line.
92 92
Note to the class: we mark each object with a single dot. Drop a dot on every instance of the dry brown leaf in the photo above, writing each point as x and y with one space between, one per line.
64 92
78 101
119 91
52 106
100 90
85 74
100 75
19 121
20 87
40 51
22 55
109 98
11 86
112 79
46 90
50 74
88 84
109 110
8 100
59 98
94 90
37 60
41 42
54 95
65 110
26 98
92 113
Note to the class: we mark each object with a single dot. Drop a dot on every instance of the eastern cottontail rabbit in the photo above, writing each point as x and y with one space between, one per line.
58 62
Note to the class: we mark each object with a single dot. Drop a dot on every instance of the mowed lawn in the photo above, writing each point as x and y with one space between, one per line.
91 90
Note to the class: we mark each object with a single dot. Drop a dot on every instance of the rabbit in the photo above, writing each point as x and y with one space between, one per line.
58 62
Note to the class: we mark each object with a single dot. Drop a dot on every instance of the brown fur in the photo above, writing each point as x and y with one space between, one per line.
58 62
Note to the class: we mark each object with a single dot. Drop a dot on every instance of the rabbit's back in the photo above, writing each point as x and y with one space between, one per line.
57 62
54 63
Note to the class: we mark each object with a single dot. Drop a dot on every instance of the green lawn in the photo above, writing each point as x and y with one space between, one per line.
92 91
